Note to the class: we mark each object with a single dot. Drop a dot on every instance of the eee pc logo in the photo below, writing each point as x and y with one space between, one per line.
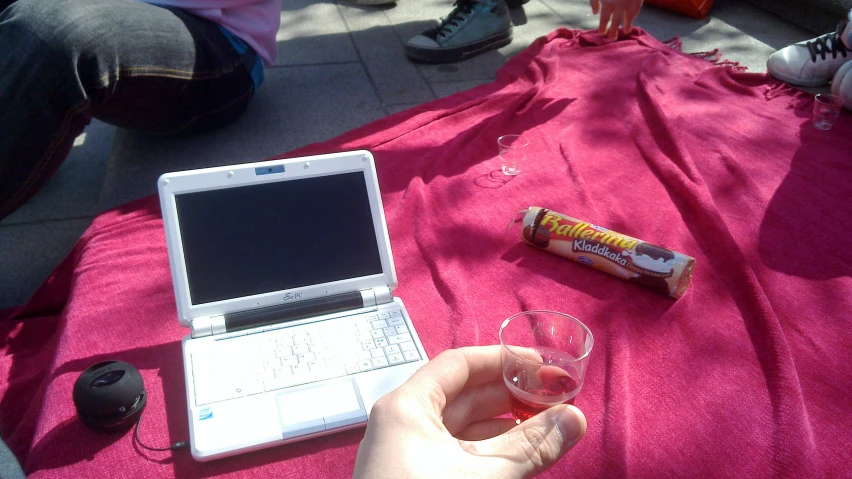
292 296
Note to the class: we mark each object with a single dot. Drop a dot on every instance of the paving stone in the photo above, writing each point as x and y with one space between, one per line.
391 109
313 32
395 79
30 252
443 89
818 16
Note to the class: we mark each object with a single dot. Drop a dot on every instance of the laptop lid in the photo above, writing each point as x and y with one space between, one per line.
265 234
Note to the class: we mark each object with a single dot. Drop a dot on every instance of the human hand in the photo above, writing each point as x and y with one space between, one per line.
442 424
620 11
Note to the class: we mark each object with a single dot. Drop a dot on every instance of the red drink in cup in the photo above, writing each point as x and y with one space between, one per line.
545 354
548 388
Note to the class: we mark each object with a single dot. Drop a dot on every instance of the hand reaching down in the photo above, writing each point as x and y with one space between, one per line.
618 12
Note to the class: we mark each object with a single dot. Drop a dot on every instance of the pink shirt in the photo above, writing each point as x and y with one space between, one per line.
254 21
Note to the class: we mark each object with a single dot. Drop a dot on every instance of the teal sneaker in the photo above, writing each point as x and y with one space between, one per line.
473 27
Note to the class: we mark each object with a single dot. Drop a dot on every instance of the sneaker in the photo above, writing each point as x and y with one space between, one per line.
813 62
841 85
473 27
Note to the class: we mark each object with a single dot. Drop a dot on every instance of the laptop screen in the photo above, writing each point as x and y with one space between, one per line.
276 236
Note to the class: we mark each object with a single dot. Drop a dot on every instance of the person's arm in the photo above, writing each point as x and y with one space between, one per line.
442 423
619 11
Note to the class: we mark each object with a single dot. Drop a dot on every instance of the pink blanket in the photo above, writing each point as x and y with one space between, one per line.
745 376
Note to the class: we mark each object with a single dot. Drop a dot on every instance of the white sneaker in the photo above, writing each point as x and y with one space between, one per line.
841 85
813 62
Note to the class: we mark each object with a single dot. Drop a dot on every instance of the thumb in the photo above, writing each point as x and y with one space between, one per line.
535 445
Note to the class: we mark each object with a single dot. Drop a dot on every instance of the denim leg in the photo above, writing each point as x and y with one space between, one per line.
9 466
125 62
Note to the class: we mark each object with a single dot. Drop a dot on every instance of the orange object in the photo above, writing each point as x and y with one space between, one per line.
693 8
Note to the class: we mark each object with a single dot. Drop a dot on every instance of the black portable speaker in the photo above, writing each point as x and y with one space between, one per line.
110 396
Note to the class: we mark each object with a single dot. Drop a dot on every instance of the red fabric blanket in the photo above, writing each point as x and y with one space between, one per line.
745 376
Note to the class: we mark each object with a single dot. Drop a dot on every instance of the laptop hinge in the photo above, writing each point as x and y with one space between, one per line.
242 320
377 295
237 321
207 326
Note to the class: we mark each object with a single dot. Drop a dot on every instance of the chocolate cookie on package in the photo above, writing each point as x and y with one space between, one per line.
655 252
537 235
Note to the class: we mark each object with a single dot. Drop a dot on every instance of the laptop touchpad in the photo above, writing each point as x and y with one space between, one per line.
321 407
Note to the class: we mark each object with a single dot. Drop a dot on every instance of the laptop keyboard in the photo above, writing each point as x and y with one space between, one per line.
240 366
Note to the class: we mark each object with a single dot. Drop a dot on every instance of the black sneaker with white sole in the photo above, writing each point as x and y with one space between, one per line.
473 27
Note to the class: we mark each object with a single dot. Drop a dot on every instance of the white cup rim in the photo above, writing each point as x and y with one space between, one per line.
829 99
518 141
506 321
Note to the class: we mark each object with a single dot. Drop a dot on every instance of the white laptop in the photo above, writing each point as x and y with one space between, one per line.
283 272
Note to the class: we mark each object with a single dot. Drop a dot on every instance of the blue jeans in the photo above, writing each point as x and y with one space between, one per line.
9 466
128 63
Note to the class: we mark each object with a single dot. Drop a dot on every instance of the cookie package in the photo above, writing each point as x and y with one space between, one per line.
656 268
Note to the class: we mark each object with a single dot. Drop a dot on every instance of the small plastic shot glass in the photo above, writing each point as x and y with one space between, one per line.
826 110
545 355
512 150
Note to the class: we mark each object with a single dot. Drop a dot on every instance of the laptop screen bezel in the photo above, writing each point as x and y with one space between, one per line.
171 185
